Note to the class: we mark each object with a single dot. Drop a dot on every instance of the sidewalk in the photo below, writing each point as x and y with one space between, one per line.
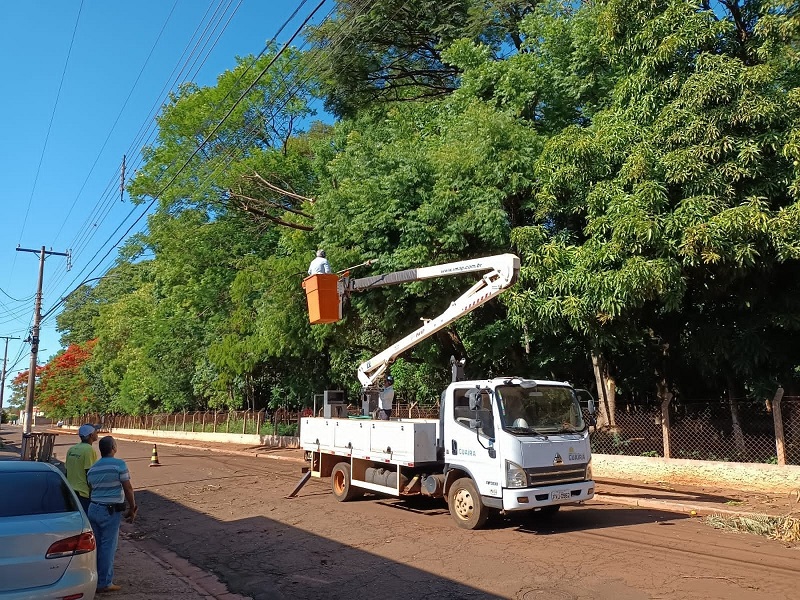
146 571
693 500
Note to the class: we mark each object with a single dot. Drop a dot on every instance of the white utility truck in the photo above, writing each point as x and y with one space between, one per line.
506 443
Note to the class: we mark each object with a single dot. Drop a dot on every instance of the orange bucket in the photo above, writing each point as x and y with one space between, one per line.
322 296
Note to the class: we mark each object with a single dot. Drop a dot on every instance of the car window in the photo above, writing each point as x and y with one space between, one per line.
35 493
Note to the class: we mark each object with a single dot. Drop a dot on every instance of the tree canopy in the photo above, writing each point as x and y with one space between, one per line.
640 156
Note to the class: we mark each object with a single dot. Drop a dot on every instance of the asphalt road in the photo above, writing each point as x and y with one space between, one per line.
228 514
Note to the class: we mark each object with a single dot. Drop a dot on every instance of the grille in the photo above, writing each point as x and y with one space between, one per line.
541 476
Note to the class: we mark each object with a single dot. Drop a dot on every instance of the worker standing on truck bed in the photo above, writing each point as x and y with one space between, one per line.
320 264
385 399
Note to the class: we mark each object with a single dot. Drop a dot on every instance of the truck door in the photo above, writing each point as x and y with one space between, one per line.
472 448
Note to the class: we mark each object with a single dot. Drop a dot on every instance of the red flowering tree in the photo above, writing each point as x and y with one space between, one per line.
65 383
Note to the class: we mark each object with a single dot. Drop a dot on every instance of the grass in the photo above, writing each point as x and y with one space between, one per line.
781 528
233 426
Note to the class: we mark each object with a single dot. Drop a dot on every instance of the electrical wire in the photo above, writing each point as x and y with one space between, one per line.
50 125
194 153
114 125
103 207
289 95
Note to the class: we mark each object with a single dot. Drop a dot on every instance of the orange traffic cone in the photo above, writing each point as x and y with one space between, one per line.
154 458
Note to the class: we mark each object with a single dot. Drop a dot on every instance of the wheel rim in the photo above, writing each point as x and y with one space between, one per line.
464 504
338 483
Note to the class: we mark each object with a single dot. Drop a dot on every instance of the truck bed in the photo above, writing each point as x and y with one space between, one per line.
406 442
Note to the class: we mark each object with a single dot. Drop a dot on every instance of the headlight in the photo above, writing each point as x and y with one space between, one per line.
515 476
589 470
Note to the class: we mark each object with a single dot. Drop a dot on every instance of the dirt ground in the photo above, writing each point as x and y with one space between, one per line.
227 514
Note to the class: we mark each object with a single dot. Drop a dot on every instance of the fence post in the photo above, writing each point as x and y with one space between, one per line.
244 423
667 398
777 418
228 423
258 423
214 430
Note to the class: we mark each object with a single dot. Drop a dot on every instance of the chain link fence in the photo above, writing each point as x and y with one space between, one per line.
636 431
738 430
741 430
790 409
278 422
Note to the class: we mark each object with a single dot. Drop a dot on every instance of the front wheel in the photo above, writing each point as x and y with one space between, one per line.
341 486
466 506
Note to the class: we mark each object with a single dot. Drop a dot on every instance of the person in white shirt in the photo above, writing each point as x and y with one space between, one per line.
320 264
385 399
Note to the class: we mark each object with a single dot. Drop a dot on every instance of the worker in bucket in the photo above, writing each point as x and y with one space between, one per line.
385 399
320 264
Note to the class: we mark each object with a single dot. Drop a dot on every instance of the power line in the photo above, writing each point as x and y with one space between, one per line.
119 115
195 152
50 125
103 207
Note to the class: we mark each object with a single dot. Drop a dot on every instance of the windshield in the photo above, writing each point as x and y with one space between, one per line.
543 409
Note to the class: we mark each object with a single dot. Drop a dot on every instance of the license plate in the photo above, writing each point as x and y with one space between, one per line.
562 495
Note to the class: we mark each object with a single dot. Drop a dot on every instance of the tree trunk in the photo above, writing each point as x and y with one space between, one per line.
736 423
606 392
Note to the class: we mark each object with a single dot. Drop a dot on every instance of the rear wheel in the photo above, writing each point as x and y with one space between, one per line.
341 485
466 506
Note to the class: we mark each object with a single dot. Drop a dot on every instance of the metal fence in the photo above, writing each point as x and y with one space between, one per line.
707 430
767 432
262 422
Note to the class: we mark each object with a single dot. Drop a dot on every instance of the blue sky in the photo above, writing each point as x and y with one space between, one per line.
83 80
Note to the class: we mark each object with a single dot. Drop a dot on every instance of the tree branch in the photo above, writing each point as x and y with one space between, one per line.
275 188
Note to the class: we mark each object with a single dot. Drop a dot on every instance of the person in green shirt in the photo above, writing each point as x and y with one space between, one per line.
79 459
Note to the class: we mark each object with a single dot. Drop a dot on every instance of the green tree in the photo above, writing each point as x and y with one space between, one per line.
665 211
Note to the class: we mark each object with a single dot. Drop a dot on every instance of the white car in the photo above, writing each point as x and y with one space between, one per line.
47 548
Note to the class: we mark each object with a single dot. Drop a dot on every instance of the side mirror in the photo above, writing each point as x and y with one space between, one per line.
590 404
474 396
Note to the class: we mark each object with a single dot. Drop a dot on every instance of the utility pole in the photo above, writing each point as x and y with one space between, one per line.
3 378
37 317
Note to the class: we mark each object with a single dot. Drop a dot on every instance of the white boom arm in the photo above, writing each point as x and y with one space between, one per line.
502 273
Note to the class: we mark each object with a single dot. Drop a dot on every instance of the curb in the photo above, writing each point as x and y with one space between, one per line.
217 450
203 582
694 510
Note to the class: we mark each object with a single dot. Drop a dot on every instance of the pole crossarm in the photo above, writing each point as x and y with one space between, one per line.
37 319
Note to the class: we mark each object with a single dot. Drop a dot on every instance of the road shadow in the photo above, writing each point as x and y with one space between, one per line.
269 560
572 518
585 518
638 490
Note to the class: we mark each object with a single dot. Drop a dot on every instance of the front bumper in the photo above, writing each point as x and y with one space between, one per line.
530 498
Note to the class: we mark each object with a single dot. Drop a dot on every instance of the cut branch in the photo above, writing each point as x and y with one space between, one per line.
275 188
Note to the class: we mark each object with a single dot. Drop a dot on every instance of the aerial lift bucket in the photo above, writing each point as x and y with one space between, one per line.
322 296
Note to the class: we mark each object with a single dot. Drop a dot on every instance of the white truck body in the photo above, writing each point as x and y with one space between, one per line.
514 468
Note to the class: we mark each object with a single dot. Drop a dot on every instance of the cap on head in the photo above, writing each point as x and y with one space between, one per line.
321 253
86 430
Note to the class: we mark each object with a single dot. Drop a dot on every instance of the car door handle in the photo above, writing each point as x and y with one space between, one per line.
455 447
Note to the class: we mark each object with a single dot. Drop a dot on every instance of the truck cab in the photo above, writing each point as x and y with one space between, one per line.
523 443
